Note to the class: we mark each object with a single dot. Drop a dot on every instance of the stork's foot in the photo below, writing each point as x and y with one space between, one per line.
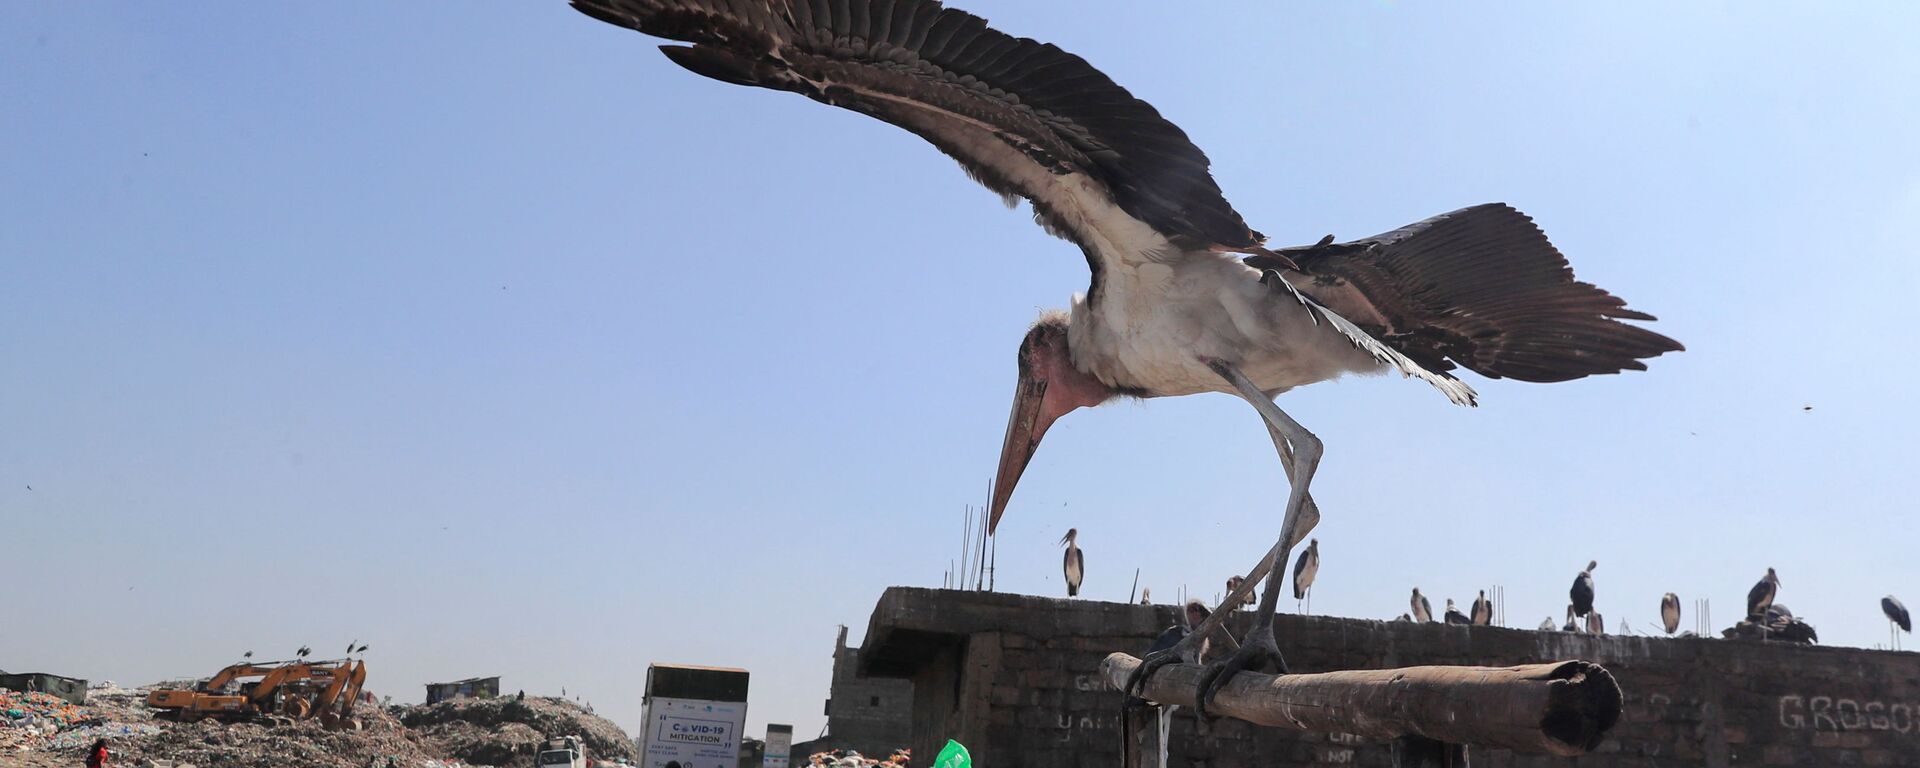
1257 652
1149 664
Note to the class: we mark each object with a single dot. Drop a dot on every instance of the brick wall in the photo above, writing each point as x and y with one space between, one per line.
1016 679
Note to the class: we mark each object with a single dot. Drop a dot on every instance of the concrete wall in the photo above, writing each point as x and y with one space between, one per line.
870 714
1016 679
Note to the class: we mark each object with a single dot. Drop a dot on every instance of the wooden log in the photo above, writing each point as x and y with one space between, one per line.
1562 708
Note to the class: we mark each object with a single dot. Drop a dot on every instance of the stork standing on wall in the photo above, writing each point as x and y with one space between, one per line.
1482 610
1454 616
1422 610
1896 617
1582 590
1304 571
1171 310
1670 612
1074 564
1760 598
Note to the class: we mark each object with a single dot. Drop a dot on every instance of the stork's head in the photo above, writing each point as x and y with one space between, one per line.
1773 577
1049 387
1592 564
1072 533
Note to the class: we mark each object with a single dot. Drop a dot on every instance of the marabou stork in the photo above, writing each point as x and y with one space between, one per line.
1761 596
1482 610
1146 596
1546 624
1173 307
1304 570
1670 612
1896 616
1074 564
1422 610
1454 616
1582 590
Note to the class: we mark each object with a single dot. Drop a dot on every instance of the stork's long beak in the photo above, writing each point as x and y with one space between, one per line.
1025 426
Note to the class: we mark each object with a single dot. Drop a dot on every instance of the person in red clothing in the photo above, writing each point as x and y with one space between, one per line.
97 754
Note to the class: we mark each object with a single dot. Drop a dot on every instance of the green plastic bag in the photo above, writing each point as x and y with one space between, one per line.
953 755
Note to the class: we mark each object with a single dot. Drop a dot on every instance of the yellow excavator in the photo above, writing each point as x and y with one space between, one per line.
286 691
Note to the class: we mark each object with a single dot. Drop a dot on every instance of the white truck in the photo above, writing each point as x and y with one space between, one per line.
562 752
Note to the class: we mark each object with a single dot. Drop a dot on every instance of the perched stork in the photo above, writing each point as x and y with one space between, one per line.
1482 610
1454 616
1422 610
1896 616
1304 571
1670 612
1761 596
1074 564
1582 591
1546 624
1173 308
1146 596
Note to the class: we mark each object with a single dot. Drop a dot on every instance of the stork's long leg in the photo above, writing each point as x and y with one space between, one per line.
1259 646
1189 647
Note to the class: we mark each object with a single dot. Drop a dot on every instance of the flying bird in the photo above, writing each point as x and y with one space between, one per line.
1074 564
1304 571
1582 590
1185 297
1761 596
1422 610
1454 616
1896 616
1670 612
1482 610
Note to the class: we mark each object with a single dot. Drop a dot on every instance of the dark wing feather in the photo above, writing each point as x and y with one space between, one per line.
1897 612
1480 287
1004 106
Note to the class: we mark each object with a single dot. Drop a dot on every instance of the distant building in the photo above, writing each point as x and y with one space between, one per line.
871 714
470 688
72 690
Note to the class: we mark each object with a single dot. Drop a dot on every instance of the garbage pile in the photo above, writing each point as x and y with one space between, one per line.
31 720
249 745
508 731
849 758
1778 625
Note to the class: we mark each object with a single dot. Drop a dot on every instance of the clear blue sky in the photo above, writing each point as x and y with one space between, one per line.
486 336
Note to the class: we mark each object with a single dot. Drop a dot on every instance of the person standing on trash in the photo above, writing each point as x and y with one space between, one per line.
97 754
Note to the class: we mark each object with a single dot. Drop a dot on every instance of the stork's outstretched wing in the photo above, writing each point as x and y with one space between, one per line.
1481 287
1025 118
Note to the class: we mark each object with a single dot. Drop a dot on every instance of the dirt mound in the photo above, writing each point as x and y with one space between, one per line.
507 732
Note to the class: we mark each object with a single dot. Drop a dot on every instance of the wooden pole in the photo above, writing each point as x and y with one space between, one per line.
1561 708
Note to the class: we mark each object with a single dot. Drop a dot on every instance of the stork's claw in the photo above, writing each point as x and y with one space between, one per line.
1257 651
1152 662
